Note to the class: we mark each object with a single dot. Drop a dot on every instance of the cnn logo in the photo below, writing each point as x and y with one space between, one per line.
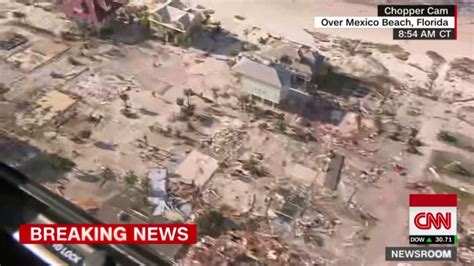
433 220
427 220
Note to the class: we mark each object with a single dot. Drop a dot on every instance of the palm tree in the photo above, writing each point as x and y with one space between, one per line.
215 95
107 175
3 89
359 120
180 101
243 99
125 98
188 93
246 33
145 186
131 179
145 19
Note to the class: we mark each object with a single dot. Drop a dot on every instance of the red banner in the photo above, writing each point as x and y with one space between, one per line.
433 200
108 233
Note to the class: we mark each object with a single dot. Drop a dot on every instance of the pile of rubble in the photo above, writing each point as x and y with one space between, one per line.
317 225
372 175
185 192
466 243
466 255
152 153
227 143
238 247
362 142
254 166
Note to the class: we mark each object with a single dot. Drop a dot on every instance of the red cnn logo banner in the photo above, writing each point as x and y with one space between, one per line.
433 214
427 220
108 233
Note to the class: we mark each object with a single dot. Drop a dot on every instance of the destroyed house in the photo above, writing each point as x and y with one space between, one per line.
174 18
10 40
305 65
266 81
90 12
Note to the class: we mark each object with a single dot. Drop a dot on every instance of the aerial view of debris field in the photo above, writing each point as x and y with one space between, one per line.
285 145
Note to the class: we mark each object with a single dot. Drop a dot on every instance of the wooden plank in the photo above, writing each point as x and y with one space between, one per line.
333 174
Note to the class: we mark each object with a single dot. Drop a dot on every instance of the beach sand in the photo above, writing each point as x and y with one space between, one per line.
419 71
289 18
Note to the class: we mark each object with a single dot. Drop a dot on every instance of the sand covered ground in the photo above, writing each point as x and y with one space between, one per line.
433 68
289 18
434 77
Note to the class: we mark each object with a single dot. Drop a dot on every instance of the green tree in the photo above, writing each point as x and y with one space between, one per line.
211 223
106 175
131 179
145 20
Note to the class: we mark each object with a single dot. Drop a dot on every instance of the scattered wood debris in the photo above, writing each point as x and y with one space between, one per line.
87 204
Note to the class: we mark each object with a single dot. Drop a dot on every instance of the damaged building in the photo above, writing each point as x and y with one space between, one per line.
97 13
282 74
305 66
174 21
197 168
268 82
10 40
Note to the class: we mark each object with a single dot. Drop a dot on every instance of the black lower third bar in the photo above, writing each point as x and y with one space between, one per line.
427 240
423 34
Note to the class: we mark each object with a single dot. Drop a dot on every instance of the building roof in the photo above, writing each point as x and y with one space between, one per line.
185 21
170 13
287 55
268 74
157 177
55 101
197 168
301 174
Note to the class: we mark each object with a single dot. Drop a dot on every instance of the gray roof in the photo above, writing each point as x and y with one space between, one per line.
173 15
271 75
275 54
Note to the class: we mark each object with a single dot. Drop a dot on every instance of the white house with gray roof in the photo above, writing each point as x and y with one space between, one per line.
268 82
176 18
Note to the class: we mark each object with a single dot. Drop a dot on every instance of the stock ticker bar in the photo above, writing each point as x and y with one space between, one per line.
424 34
429 240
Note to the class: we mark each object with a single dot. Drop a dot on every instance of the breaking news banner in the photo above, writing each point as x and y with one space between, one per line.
409 22
433 218
107 234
